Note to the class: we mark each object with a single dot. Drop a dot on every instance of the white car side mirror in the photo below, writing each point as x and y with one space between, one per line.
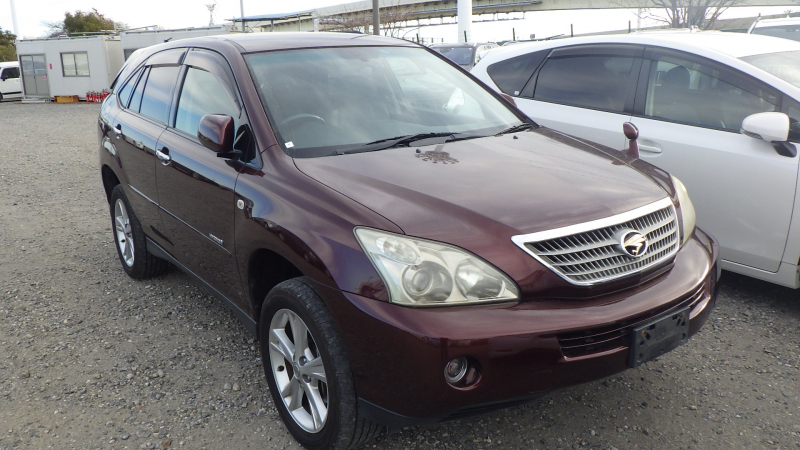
772 127
769 126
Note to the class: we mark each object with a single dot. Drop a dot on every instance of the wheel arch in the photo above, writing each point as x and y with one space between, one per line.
265 270
110 180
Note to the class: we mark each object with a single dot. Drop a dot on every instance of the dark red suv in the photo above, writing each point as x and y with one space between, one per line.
404 243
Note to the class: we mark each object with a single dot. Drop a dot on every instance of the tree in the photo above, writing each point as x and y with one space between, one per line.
8 50
702 14
83 22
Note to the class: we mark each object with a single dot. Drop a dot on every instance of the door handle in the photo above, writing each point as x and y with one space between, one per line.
163 155
118 131
649 149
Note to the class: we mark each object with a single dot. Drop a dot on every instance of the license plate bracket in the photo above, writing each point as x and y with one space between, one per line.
659 336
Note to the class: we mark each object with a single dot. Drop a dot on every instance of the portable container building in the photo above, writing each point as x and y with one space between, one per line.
68 66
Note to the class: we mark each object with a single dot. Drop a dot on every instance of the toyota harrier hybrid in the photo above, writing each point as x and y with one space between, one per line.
404 243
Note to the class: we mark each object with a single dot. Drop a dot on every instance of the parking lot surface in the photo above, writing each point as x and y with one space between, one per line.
92 359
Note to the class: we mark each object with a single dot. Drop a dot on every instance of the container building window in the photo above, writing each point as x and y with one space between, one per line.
75 64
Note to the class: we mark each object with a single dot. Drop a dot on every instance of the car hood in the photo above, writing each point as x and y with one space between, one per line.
510 184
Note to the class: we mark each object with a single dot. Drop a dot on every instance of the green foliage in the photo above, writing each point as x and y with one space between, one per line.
8 51
82 22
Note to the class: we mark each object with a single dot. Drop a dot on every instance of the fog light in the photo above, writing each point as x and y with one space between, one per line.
455 370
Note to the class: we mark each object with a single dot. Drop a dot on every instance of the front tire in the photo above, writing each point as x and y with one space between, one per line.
130 240
308 370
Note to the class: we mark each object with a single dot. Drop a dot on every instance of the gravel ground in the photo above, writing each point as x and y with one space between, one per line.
91 359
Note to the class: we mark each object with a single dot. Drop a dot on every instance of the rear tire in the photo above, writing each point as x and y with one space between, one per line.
314 381
130 240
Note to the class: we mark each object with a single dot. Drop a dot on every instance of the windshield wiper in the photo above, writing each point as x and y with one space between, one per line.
516 128
396 141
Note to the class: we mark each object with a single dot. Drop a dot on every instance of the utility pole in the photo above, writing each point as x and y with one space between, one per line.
376 18
14 20
241 12
464 20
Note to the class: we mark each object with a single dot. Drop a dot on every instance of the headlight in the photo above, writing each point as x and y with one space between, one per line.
687 209
418 272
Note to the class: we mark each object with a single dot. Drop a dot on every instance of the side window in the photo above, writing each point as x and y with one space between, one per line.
11 72
792 109
124 94
695 94
158 92
75 64
202 94
512 74
136 97
596 81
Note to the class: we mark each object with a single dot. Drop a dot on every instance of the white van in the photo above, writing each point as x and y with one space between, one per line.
10 86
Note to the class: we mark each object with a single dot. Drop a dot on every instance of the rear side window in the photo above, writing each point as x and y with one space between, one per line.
124 94
597 82
511 75
158 92
136 97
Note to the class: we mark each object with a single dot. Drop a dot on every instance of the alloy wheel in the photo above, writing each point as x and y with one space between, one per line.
123 231
298 370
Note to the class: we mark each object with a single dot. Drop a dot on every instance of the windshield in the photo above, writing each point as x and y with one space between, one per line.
459 55
334 100
783 31
784 65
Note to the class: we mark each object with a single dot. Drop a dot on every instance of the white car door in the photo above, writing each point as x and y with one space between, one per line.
586 91
689 114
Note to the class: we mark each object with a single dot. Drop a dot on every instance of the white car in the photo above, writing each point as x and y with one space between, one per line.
787 27
689 94
9 80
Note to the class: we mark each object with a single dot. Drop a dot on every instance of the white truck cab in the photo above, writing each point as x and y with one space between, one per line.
10 86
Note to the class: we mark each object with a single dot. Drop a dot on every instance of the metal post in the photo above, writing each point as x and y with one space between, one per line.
376 18
14 20
241 10
513 34
571 32
464 20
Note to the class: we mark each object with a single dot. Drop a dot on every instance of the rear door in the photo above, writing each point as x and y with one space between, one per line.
586 91
195 186
137 129
689 112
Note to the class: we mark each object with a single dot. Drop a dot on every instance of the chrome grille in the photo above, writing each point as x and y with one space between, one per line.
589 253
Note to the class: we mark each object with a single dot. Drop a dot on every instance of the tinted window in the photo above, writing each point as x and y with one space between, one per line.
202 94
136 97
784 31
693 93
792 109
459 55
599 82
157 92
512 74
11 72
124 94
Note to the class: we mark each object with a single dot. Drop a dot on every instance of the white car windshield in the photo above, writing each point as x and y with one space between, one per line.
784 65
329 101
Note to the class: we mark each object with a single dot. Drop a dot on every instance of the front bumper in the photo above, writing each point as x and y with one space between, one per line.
522 350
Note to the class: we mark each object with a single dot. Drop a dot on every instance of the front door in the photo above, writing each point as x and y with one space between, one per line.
742 190
195 187
34 76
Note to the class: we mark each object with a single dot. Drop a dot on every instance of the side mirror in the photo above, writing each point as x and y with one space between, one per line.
509 99
632 133
216 133
772 127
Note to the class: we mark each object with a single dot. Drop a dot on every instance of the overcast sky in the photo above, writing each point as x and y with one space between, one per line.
193 13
